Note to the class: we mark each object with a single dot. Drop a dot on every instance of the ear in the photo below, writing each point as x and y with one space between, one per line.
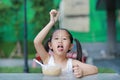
50 45
71 46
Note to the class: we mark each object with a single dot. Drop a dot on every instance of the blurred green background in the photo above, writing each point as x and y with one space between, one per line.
12 27
12 24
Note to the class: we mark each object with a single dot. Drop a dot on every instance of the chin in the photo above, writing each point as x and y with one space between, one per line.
61 54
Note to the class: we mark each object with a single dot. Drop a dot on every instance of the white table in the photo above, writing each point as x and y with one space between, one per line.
39 76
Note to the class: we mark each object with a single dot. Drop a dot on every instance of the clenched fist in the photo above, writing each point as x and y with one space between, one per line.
54 15
77 71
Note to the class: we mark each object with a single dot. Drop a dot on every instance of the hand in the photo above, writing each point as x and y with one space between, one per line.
77 71
53 15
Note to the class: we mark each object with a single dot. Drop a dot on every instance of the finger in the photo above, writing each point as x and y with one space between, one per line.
53 12
75 69
75 66
78 74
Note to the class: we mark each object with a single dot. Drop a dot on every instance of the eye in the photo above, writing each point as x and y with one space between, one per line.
56 38
64 38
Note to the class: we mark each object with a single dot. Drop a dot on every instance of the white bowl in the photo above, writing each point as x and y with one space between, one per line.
51 70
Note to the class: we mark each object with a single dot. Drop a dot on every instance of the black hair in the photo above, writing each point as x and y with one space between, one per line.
46 45
79 50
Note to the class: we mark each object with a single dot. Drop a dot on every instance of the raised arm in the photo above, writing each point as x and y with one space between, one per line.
43 33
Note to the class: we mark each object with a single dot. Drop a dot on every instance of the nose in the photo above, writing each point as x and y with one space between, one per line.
60 40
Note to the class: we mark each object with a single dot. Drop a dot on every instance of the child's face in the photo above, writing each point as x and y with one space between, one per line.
60 42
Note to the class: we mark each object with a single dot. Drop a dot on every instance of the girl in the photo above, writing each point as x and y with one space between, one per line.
60 43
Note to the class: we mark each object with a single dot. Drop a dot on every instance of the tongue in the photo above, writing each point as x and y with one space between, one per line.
60 49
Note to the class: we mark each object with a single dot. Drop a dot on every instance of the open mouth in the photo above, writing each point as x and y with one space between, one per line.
60 48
